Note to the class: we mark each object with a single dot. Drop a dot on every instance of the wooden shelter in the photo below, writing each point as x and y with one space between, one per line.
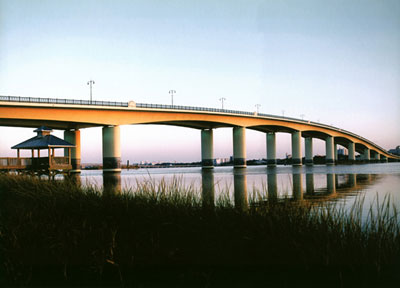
49 164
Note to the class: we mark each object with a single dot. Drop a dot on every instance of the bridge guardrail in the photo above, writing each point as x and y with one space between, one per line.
62 101
172 107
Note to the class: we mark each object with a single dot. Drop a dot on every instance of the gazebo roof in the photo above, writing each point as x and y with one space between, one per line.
43 141
43 128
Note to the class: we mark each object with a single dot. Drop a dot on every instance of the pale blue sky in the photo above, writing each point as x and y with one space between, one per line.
333 61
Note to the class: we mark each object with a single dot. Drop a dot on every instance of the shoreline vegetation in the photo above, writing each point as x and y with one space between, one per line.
59 234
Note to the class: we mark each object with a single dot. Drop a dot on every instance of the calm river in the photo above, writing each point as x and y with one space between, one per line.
331 183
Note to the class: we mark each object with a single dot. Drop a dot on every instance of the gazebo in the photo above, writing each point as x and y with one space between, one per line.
44 141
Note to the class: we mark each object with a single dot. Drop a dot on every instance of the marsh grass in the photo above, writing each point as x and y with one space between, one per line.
56 233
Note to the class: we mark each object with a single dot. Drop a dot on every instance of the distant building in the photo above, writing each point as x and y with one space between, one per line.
219 161
395 151
342 151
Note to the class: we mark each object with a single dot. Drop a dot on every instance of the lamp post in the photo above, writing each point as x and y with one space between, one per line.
302 116
172 96
257 107
91 82
222 101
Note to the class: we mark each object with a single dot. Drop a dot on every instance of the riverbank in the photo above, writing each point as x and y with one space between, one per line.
58 234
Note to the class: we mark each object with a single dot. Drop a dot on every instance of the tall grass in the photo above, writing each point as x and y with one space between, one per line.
59 234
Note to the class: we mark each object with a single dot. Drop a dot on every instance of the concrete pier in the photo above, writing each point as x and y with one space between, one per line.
309 150
207 149
377 156
239 147
208 188
296 148
74 137
366 155
329 158
310 183
352 151
112 183
111 149
335 152
331 183
297 186
271 149
272 184
352 180
240 190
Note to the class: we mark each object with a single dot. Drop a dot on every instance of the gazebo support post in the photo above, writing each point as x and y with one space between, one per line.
49 158
18 160
69 156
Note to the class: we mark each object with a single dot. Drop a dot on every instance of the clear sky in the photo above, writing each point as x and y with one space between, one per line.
337 62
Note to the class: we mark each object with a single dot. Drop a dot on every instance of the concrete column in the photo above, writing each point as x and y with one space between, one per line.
272 186
240 190
208 188
112 183
271 149
111 149
377 156
331 183
207 149
352 180
239 147
366 155
310 183
352 151
384 159
74 137
296 148
329 158
335 152
309 150
297 186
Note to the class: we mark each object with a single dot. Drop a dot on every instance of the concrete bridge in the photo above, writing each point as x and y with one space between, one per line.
74 115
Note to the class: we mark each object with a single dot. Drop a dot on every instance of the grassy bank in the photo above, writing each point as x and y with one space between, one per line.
58 234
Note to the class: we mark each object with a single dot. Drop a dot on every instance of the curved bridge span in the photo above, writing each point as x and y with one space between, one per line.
73 115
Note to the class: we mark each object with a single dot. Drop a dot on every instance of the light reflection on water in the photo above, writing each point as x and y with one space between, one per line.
341 183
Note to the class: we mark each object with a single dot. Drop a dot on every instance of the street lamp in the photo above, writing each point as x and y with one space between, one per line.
222 101
172 96
302 116
258 106
283 113
91 82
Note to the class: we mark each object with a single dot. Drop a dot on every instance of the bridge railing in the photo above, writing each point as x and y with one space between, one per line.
173 107
62 101
191 108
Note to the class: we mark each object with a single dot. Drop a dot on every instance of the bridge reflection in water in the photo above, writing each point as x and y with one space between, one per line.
336 187
300 186
112 183
208 188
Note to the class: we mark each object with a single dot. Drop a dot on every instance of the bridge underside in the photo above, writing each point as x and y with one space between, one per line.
61 125
66 117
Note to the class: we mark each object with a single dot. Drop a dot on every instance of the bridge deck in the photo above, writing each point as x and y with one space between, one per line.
67 114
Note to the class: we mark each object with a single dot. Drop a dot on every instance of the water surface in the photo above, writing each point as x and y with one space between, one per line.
343 183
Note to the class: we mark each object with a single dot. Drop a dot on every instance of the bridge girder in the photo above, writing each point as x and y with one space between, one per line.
61 116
